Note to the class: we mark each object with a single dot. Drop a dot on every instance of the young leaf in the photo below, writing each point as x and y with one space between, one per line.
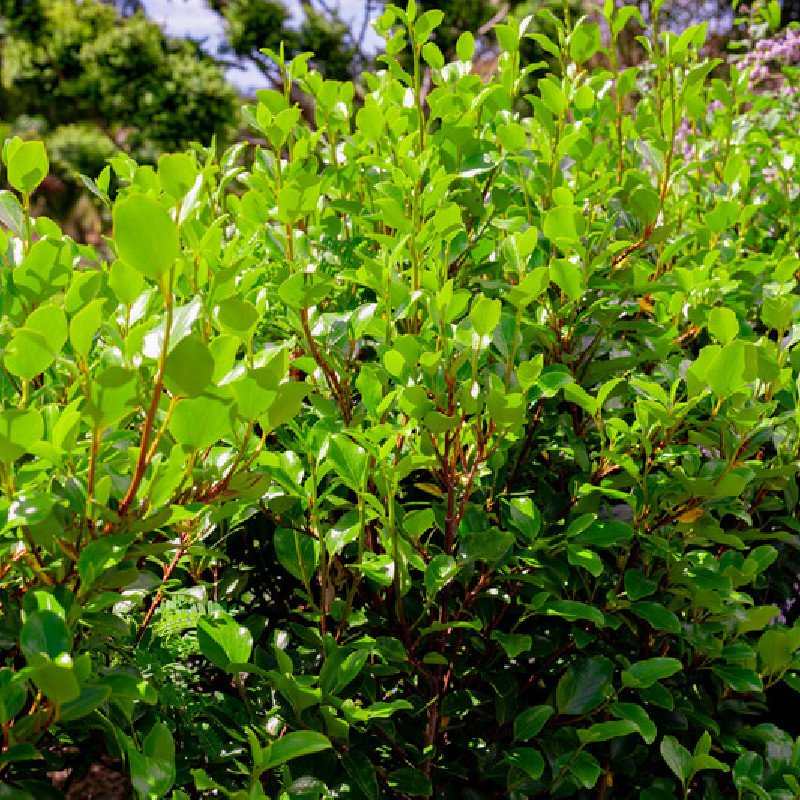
199 422
530 721
189 367
28 166
223 640
145 235
485 315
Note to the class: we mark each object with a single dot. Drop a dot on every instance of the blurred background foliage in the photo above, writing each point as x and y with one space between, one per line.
93 78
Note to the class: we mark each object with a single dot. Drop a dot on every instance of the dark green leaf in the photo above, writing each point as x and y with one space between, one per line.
660 618
410 781
361 772
45 634
528 759
293 745
90 698
645 673
530 721
678 758
297 552
584 686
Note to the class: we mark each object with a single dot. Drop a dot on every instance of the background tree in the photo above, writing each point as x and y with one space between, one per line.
253 25
91 82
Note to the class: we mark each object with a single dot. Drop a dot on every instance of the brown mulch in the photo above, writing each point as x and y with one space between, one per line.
104 781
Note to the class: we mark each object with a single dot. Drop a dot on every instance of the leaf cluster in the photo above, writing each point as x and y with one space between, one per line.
454 454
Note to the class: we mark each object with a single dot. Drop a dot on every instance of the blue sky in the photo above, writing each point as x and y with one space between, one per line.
194 19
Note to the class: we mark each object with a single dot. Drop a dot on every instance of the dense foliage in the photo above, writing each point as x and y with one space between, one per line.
454 454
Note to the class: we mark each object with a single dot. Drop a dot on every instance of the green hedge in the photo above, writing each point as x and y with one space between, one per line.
454 454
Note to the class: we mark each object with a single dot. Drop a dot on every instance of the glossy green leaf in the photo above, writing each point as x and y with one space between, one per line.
177 173
297 552
637 585
580 556
678 758
90 698
101 555
23 751
529 722
189 367
44 271
238 317
126 282
603 731
123 684
361 772
20 430
432 55
28 167
153 770
13 694
56 679
256 392
370 122
294 745
441 569
586 768
645 673
512 137
223 640
145 235
286 405
638 717
84 325
723 215
114 395
662 619
11 214
28 354
514 644
584 42
740 679
723 324
349 460
525 517
528 759
573 610
200 422
183 321
485 315
553 97
45 634
776 650
584 686
410 781
485 545
465 46
568 277
725 374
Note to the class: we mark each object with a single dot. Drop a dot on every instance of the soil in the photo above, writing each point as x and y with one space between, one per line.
104 781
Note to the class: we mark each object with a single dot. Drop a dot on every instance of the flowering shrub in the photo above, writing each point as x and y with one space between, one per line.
454 455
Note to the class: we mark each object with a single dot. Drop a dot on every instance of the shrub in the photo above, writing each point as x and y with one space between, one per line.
456 456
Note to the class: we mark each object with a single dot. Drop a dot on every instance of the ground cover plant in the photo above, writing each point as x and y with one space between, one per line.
453 454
